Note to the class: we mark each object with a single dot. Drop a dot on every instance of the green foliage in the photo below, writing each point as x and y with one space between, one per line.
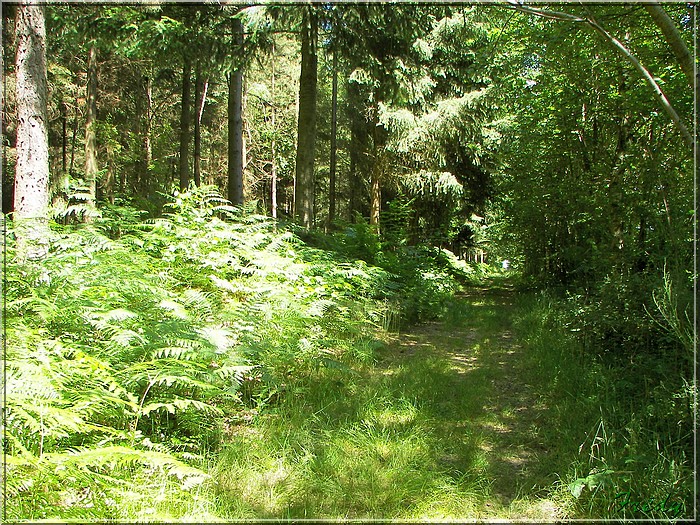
415 283
134 341
630 424
362 446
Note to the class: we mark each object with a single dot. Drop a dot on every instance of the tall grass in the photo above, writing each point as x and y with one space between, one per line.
414 435
626 430
351 446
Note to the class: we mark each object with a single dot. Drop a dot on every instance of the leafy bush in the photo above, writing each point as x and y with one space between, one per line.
419 281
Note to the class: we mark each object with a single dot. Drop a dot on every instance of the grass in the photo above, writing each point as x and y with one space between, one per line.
489 414
492 412
431 430
625 458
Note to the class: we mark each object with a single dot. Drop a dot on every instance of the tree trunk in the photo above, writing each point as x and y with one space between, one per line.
74 140
334 142
235 123
32 168
59 180
139 123
306 131
375 201
200 88
110 175
379 137
64 137
674 40
358 152
184 168
273 145
682 54
91 168
7 183
148 150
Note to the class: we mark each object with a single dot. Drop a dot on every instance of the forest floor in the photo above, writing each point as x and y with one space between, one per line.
444 425
489 401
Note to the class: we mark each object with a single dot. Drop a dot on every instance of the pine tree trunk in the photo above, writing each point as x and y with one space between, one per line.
74 140
64 137
273 145
139 122
110 175
334 142
235 124
32 168
379 137
148 150
375 200
184 168
358 152
306 131
91 167
59 180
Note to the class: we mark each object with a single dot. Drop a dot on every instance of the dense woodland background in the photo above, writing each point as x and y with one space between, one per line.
238 197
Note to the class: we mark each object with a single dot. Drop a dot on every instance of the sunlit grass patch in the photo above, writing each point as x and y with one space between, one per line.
388 414
158 498
375 447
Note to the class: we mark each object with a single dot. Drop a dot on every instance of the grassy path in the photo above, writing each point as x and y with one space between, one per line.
484 399
446 425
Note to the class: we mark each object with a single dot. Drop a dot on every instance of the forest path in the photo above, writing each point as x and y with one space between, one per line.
482 401
443 423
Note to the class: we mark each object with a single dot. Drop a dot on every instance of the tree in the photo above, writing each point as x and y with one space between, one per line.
378 45
201 86
591 22
91 166
184 166
32 168
235 120
306 131
607 159
273 142
334 142
674 40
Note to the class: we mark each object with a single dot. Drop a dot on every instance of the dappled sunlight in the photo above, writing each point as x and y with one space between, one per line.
475 391
444 427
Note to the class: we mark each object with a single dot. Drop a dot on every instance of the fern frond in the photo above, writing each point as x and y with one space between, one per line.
236 372
198 301
176 309
320 307
181 404
174 352
47 420
125 338
120 456
220 339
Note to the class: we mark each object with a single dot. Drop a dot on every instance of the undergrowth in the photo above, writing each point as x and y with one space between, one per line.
628 422
136 345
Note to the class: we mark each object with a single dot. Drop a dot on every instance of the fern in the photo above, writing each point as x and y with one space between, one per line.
177 405
146 335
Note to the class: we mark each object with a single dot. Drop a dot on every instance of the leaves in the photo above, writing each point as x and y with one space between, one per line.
129 344
593 481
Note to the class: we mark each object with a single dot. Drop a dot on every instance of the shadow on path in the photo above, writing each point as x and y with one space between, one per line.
483 411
